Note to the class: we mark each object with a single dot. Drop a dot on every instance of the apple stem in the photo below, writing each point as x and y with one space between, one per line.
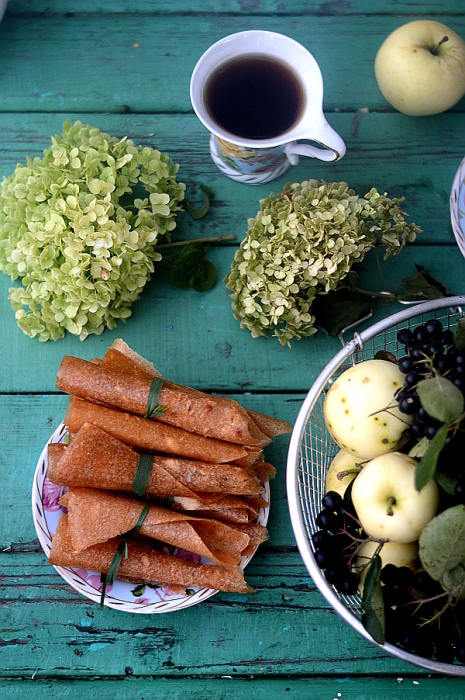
390 502
434 50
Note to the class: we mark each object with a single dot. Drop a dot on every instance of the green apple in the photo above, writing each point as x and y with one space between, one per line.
354 409
387 502
397 553
420 68
341 463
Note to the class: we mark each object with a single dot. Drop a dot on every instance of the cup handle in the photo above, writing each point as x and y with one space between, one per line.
324 135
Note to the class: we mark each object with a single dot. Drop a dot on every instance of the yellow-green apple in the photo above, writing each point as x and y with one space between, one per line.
420 68
387 502
336 479
397 553
354 409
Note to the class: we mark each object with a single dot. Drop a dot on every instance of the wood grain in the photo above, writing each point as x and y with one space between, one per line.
130 66
193 339
125 67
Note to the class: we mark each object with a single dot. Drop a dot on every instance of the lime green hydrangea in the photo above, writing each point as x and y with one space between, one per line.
303 242
75 233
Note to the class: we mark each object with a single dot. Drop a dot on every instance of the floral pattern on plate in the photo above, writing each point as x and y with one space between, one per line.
457 207
121 595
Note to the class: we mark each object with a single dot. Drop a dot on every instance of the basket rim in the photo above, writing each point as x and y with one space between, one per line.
294 505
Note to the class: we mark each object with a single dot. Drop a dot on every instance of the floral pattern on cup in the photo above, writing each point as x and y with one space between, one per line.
250 160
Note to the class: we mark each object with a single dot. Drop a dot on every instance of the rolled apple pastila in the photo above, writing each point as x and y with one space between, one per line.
96 516
193 411
96 459
144 564
120 357
150 435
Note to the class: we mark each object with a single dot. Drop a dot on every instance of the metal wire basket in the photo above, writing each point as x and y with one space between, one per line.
312 449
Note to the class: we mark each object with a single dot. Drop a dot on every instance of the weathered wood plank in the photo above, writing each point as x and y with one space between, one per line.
243 7
419 163
49 629
187 334
262 688
129 65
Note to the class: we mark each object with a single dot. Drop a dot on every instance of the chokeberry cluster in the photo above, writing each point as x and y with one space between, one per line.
419 614
336 541
412 608
430 349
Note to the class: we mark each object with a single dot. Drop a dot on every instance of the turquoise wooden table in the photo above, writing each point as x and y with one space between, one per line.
125 68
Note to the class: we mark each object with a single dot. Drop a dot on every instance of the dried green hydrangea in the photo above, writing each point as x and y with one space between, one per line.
74 231
303 242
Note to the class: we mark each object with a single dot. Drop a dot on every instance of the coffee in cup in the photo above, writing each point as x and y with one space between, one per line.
258 92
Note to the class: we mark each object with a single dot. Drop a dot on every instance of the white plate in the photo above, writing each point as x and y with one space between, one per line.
121 595
457 207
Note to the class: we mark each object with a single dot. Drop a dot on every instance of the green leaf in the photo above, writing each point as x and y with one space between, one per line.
420 447
168 501
348 492
186 265
442 548
422 284
164 268
459 335
426 468
204 209
153 397
138 591
108 579
440 398
447 481
141 478
205 277
141 518
336 310
372 601
387 356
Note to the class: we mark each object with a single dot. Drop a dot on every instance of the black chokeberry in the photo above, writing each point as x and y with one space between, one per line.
417 429
434 349
335 574
447 338
388 574
325 558
404 336
405 364
412 379
434 328
430 431
320 539
332 500
421 335
349 585
328 520
409 405
418 353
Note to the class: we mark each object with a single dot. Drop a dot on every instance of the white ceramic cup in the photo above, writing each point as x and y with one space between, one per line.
259 160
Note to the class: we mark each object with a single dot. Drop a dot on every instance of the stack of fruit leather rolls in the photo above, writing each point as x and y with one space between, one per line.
205 481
